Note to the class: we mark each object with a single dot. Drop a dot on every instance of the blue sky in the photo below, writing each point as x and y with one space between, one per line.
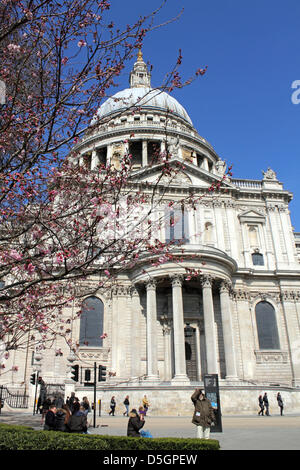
242 105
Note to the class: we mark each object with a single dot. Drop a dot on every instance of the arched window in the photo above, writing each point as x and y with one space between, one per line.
257 259
266 326
91 322
208 232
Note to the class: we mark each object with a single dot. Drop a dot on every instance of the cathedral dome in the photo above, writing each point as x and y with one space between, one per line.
141 95
145 98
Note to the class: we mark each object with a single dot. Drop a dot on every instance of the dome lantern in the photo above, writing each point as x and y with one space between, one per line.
140 77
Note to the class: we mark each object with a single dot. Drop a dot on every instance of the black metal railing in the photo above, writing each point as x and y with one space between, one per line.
16 399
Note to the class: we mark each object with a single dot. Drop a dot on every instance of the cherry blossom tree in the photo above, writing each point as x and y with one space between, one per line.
61 224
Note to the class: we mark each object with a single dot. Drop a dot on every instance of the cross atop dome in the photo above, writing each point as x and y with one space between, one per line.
140 77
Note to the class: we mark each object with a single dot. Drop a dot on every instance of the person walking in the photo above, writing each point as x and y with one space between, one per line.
112 406
126 403
146 404
135 423
266 404
204 416
261 405
280 403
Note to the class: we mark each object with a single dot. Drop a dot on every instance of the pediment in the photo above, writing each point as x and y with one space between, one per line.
252 216
188 175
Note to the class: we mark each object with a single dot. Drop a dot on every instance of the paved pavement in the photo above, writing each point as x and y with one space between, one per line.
239 432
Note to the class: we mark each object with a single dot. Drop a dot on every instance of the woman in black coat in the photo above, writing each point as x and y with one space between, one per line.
60 420
135 423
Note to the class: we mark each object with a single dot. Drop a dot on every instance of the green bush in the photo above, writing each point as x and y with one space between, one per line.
14 437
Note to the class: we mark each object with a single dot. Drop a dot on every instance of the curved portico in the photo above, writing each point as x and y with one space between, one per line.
177 304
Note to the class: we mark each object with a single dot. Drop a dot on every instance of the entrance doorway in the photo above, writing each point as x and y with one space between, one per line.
191 353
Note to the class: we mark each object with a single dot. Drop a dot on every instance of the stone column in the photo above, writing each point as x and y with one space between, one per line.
198 352
178 328
209 326
227 326
152 366
114 331
205 164
289 299
109 155
95 160
136 333
145 153
246 334
167 351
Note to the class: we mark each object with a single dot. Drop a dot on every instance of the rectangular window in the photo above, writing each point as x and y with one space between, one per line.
177 226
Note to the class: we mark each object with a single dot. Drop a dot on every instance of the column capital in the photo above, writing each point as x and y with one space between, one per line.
151 284
177 280
206 280
225 286
134 290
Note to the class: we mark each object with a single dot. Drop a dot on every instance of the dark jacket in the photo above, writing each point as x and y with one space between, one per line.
49 421
77 423
265 400
203 414
279 400
60 420
134 424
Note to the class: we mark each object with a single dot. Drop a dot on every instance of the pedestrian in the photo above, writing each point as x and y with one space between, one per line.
204 416
280 403
112 406
146 404
59 401
50 419
142 412
135 423
45 408
261 405
78 420
126 403
71 401
86 405
266 403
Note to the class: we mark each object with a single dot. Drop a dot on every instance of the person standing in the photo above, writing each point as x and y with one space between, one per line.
46 406
146 404
59 401
280 403
126 403
266 403
204 416
112 406
261 405
72 400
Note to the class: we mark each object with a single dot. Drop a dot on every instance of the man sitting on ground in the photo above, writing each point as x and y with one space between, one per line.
50 419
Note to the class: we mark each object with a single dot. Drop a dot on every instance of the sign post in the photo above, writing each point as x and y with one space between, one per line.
211 388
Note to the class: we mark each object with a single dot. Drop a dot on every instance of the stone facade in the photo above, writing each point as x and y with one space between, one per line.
239 319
